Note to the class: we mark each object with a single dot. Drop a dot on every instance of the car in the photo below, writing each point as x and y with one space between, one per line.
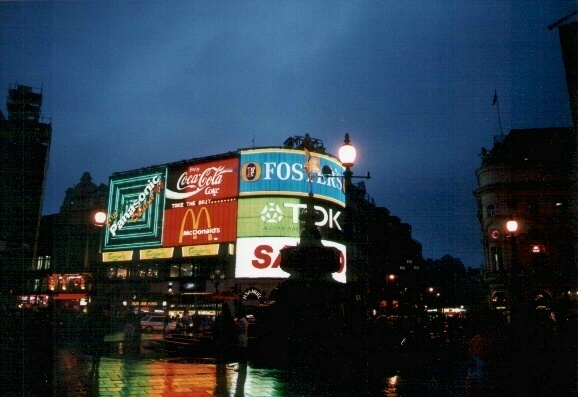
156 323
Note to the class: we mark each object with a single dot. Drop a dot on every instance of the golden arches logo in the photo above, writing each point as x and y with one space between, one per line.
196 220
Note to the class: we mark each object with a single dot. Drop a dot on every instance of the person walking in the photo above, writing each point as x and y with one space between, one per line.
242 337
196 319
186 320
225 333
129 326
98 326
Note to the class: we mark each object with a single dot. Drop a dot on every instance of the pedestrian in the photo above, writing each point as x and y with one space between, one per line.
136 340
186 320
166 322
196 319
129 326
98 326
225 334
242 336
489 372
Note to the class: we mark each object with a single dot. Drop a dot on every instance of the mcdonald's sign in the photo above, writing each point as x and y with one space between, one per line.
205 224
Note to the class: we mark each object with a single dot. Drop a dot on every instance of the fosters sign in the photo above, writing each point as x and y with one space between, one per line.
135 209
282 172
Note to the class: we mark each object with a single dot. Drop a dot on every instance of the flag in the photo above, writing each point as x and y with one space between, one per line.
495 98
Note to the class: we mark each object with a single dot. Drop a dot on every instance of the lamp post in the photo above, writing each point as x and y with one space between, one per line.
217 278
512 227
347 155
98 220
309 302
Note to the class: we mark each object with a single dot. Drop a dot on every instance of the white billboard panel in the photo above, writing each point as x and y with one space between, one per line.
259 257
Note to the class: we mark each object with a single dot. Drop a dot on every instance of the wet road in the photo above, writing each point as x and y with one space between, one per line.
148 375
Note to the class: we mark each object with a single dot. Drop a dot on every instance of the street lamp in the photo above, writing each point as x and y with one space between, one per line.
98 220
347 154
217 278
512 227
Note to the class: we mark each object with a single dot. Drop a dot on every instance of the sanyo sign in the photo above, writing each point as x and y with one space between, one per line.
260 257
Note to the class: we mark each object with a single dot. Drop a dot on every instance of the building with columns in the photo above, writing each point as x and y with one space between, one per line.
526 177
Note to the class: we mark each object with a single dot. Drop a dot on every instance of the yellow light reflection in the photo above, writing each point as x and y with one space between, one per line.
391 388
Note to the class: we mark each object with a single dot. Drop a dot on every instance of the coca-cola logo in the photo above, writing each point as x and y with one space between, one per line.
195 180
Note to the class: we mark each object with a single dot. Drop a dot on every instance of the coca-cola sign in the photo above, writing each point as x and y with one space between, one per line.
197 184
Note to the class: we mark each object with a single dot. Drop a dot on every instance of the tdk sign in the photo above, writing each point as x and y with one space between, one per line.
282 172
279 217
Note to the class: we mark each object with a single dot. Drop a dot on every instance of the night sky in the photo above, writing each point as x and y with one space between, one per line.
129 84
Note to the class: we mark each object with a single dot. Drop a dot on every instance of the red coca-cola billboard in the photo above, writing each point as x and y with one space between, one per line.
195 184
210 223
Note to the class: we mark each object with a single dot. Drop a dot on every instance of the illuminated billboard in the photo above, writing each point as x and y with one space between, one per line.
260 257
214 222
281 172
135 207
196 184
279 217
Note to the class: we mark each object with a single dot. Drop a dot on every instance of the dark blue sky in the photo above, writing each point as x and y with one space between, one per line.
130 84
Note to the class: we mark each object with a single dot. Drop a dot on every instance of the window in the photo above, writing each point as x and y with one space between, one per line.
186 270
121 272
496 258
43 262
153 271
174 272
140 272
490 211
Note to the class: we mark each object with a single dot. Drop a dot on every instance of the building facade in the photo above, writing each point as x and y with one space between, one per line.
526 177
24 148
179 234
67 258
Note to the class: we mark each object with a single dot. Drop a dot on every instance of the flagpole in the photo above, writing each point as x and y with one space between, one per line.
497 103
